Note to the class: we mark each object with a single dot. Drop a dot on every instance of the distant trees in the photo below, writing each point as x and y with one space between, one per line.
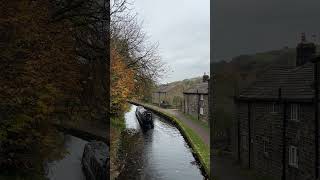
138 54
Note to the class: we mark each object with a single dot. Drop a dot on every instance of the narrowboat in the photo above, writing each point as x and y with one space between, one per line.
144 117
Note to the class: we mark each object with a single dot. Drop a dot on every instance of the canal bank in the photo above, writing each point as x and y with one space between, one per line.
117 126
200 149
159 153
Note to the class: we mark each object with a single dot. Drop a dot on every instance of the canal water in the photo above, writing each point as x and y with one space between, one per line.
160 153
69 167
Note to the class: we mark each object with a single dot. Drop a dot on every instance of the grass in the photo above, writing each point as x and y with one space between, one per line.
118 123
200 149
117 126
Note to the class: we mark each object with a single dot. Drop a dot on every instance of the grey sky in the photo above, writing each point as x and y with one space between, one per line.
249 26
182 28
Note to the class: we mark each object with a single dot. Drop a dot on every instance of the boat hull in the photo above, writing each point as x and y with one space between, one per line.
144 117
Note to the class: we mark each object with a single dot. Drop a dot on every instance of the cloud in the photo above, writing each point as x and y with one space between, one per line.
249 26
182 29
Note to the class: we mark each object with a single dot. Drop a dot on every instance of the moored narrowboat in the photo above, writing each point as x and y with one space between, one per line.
144 117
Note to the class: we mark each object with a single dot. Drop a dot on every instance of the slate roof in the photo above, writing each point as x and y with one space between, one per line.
295 83
200 88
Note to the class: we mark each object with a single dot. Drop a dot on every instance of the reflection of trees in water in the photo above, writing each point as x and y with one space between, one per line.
58 150
130 154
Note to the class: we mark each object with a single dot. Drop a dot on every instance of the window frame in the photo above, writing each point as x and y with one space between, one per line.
266 146
244 141
201 111
201 97
275 108
294 112
293 156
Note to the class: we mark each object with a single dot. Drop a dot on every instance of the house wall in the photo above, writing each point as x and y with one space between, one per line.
267 125
156 96
190 106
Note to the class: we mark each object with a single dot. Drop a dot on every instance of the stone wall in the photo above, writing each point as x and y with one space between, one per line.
95 161
267 127
192 103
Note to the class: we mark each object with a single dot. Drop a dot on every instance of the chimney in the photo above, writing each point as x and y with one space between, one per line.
305 51
205 78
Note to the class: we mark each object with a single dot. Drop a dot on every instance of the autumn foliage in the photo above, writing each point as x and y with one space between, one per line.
136 65
39 81
122 82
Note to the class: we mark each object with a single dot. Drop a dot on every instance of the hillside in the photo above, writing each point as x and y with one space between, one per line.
240 72
177 88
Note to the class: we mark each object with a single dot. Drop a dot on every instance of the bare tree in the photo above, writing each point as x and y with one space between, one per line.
133 43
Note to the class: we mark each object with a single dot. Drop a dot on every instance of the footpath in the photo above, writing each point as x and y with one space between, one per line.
197 127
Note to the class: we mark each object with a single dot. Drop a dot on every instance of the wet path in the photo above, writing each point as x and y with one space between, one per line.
160 153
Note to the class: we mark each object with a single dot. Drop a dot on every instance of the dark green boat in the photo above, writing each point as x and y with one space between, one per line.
144 117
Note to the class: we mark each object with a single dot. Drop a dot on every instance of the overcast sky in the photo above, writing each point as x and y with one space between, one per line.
182 29
250 26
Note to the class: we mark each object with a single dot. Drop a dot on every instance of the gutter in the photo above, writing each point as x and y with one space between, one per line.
292 100
315 61
316 118
249 134
198 105
284 124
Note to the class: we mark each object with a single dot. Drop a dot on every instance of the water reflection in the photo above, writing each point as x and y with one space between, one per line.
160 153
69 167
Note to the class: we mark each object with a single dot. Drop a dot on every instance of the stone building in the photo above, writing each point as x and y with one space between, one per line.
165 94
277 121
196 100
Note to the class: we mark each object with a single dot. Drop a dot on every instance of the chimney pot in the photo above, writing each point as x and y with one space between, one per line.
305 51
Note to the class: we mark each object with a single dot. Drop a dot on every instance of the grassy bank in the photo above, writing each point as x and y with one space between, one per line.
203 124
200 149
117 126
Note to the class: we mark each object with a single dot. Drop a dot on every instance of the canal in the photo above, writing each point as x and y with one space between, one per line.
159 153
69 166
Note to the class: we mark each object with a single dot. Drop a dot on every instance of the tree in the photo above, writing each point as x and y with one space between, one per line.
47 49
122 83
131 42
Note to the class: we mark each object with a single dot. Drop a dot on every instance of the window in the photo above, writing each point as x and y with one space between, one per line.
273 108
266 146
201 97
294 112
244 141
293 156
201 111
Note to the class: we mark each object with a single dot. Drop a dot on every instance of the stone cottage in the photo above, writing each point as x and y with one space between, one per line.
165 94
277 121
196 100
